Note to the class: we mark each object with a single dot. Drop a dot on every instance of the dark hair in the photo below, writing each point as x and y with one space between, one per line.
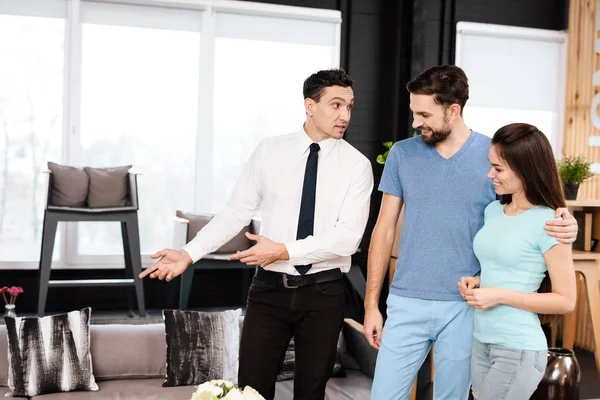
528 153
315 85
448 84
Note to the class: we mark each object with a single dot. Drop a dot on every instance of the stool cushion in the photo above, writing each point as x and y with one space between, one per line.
108 187
69 186
198 221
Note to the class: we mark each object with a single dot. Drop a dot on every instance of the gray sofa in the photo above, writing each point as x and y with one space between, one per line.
129 363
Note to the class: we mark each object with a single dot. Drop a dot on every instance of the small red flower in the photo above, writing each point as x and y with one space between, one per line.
15 291
3 289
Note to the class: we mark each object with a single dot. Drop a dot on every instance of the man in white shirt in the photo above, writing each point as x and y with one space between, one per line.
313 191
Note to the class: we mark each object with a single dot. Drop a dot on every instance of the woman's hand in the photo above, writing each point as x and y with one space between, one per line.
467 282
485 297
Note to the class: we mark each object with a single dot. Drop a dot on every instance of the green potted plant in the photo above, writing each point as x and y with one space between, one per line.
383 157
573 171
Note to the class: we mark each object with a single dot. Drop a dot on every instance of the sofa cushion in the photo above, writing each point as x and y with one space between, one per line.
201 346
198 221
108 187
110 342
50 354
359 347
69 186
355 386
132 389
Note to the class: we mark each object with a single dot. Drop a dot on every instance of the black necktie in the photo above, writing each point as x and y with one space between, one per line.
306 219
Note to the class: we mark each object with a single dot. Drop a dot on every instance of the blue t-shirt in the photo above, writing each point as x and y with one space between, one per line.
511 252
444 203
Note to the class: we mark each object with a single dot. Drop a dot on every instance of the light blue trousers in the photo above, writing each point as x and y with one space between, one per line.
412 326
502 373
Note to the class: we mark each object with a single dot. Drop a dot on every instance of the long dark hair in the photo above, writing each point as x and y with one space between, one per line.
529 154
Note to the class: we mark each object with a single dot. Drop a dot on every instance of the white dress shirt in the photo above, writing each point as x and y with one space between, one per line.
271 182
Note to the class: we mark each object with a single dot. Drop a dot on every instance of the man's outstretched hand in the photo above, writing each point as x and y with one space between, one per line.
171 264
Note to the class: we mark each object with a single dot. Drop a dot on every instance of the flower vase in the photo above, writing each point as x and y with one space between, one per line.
9 311
562 378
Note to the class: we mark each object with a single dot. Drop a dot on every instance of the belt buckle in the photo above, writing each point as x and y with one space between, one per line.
285 283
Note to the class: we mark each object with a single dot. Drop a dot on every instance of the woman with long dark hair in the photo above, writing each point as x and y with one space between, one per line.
524 271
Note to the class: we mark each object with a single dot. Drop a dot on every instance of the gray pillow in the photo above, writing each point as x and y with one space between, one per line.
69 186
108 187
111 341
201 346
38 349
198 221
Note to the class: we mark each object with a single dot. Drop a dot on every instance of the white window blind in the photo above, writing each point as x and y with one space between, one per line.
515 75
136 16
261 63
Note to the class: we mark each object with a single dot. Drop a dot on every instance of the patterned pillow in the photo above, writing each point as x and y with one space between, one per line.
50 354
201 346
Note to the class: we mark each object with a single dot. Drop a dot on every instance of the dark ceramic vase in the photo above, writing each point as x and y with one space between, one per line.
561 380
571 190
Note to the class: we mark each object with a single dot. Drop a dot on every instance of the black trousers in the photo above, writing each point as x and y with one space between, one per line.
312 314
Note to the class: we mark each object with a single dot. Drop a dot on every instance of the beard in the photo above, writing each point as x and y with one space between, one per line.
436 136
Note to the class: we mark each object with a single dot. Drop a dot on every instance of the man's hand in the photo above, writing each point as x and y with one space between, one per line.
373 326
172 263
565 230
468 282
485 297
263 253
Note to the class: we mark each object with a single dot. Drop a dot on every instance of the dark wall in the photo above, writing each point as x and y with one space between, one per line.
384 44
435 22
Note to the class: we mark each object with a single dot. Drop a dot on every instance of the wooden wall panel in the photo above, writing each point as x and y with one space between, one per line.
581 64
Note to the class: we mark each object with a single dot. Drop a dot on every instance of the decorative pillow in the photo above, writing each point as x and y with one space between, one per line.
108 187
287 368
50 354
201 346
69 186
199 221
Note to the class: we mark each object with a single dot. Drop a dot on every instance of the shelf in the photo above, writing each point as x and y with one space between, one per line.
585 255
583 203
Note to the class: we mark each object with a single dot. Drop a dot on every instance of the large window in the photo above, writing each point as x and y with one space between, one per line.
515 75
31 120
181 91
266 99
139 106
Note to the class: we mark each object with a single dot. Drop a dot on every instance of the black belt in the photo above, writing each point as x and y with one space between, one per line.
294 281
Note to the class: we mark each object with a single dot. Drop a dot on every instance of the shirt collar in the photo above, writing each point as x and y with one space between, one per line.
305 141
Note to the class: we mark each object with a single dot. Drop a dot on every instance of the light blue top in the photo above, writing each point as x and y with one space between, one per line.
511 251
444 203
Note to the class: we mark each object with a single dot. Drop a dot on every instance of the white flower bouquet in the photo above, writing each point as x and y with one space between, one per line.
220 389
